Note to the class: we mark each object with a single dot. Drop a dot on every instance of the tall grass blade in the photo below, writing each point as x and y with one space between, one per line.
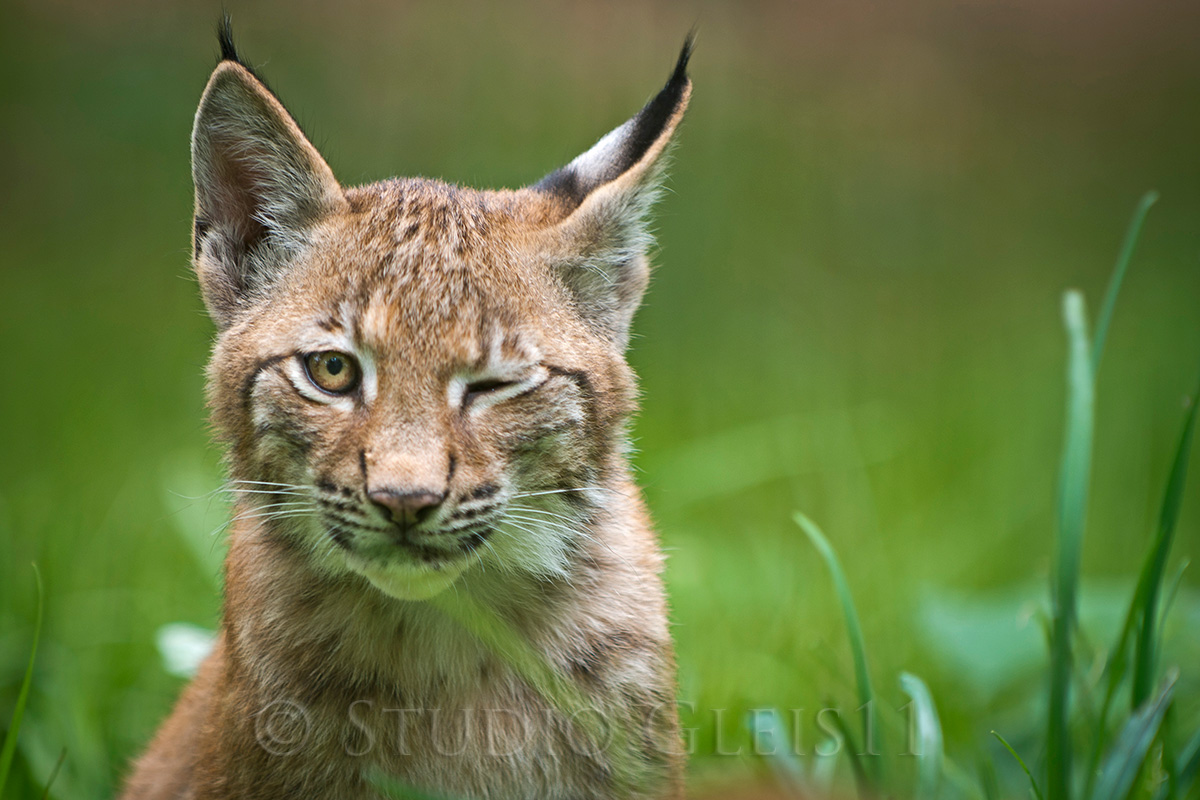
1167 757
1186 765
861 779
872 735
1172 594
1118 276
62 757
1149 580
1033 784
1128 754
927 734
988 783
1146 647
10 739
1114 673
1074 476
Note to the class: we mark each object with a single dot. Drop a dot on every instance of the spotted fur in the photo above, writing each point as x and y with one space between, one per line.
489 328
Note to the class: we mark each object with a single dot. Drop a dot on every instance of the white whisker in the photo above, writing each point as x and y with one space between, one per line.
276 514
542 521
273 515
519 495
286 504
271 483
535 510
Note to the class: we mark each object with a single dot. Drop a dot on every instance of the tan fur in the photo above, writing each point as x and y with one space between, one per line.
431 287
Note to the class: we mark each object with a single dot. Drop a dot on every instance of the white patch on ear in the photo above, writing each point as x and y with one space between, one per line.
604 152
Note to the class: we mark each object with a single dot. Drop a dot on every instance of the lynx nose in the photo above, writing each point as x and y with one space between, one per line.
406 509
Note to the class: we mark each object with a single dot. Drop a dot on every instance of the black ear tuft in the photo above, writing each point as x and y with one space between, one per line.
617 153
229 51
685 56
225 38
650 121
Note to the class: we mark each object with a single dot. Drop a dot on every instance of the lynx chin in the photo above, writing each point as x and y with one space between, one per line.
440 574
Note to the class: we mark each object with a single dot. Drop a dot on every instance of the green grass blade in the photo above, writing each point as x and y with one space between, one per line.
62 757
1114 673
1167 755
1146 647
1172 593
1186 765
1074 476
1118 276
861 779
1033 784
927 734
988 784
1148 579
872 735
10 739
1129 752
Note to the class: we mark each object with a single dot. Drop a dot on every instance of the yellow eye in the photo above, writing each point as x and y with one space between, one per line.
336 373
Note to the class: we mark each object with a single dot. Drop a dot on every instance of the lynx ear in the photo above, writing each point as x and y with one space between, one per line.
600 246
260 184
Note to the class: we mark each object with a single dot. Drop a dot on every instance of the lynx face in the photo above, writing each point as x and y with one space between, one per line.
417 379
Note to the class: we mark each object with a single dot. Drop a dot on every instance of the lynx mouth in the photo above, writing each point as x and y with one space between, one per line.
415 571
408 577
411 581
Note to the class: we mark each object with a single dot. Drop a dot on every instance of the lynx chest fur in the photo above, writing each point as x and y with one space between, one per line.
440 574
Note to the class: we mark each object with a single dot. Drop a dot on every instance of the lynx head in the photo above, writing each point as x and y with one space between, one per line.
413 377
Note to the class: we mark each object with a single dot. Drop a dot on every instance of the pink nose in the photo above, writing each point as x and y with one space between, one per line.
406 508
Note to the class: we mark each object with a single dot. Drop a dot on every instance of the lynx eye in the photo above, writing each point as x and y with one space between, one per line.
477 389
334 372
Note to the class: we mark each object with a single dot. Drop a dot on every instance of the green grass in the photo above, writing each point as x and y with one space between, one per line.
872 734
9 748
1132 767
870 220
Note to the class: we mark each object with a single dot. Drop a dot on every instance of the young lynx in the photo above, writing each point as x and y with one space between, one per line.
440 573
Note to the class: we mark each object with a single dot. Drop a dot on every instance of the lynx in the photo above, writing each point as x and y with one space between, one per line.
440 573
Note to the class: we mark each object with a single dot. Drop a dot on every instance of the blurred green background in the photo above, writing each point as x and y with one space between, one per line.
874 209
